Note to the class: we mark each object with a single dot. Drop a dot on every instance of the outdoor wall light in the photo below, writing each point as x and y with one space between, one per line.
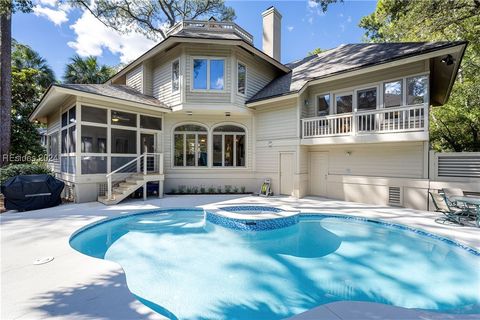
227 114
348 153
189 113
448 60
306 102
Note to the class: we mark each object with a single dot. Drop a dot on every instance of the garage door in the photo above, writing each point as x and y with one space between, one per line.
318 173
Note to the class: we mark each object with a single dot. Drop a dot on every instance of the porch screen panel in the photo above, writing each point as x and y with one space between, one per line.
124 141
94 165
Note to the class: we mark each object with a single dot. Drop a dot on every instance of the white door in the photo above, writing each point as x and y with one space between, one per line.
318 173
286 173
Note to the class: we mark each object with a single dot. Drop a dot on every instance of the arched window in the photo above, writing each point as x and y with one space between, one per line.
229 146
190 146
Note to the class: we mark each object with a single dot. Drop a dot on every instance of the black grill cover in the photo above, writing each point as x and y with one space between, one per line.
31 192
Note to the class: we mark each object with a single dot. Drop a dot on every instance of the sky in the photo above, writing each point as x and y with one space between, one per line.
57 32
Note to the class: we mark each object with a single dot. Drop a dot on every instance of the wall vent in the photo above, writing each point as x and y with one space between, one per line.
395 196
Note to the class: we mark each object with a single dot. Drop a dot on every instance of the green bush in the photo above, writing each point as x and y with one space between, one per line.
13 170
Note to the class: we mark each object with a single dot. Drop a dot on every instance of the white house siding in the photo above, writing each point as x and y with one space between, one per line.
276 127
364 172
203 96
393 73
259 75
134 78
162 78
211 176
148 78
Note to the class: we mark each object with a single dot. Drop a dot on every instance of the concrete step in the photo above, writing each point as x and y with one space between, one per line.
117 197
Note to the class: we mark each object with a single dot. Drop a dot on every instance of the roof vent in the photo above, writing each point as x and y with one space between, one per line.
395 196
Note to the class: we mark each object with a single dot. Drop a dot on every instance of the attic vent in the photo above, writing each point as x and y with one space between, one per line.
395 196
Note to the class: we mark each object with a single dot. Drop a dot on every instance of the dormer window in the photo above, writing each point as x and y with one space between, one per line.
208 74
175 76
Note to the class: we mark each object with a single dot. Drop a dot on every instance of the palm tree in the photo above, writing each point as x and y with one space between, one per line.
24 57
86 70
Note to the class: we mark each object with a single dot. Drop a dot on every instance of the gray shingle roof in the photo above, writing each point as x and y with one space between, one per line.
343 59
116 91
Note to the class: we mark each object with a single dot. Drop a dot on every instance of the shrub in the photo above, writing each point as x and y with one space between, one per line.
211 189
202 189
189 189
173 191
13 170
243 189
181 189
219 189
194 189
228 188
235 189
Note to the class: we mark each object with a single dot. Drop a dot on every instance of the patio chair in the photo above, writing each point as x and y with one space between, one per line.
450 193
451 213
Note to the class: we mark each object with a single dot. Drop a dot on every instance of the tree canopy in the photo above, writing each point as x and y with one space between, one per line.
456 125
31 75
87 70
152 17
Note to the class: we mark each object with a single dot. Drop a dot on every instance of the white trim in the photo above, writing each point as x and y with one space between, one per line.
234 134
330 106
196 133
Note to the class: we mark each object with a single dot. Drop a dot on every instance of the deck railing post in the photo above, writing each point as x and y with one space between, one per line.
109 187
144 163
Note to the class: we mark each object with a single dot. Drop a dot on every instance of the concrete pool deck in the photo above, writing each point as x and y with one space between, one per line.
75 286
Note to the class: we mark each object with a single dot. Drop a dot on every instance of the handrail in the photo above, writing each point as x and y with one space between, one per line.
220 26
386 120
134 161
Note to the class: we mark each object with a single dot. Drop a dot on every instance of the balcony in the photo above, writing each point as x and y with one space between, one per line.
408 123
211 26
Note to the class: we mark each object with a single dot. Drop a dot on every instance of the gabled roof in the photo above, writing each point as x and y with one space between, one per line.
344 58
58 93
116 91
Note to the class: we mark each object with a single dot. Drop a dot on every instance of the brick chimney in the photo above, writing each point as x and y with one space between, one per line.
272 32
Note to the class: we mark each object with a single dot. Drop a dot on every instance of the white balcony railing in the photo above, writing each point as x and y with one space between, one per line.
388 120
211 26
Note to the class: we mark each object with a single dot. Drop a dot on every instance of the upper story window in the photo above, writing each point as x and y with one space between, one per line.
393 93
323 105
417 90
344 103
208 74
190 146
175 76
241 78
367 99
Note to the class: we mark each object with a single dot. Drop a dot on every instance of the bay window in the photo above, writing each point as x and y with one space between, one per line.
241 78
228 146
175 76
208 74
190 146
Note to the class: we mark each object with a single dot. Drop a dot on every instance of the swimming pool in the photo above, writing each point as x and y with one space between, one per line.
184 267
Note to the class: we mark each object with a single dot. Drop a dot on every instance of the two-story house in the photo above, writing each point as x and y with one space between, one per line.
204 107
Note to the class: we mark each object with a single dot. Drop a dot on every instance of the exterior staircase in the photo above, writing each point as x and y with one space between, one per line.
122 182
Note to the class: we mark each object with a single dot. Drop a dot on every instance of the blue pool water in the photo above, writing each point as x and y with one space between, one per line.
187 268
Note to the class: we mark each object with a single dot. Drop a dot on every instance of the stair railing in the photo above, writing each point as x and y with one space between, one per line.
147 163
